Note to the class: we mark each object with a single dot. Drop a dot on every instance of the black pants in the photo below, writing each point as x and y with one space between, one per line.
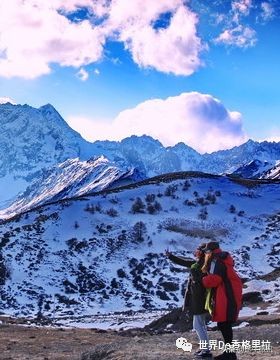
226 330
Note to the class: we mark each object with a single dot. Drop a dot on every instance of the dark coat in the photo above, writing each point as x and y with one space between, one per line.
226 287
195 294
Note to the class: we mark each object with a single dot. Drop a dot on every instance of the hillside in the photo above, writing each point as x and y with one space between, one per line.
77 258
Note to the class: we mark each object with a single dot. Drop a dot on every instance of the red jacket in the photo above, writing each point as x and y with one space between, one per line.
226 287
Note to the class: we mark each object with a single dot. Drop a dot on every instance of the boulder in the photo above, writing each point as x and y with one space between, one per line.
252 297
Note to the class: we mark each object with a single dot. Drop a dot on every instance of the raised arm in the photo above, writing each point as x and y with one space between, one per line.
181 261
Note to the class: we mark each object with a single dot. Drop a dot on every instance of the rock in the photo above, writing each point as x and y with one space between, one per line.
175 320
169 286
273 275
262 313
252 297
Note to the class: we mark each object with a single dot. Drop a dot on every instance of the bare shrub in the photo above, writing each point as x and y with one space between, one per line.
189 203
150 198
201 200
138 206
211 197
186 185
151 209
203 214
138 232
170 190
112 212
114 200
157 205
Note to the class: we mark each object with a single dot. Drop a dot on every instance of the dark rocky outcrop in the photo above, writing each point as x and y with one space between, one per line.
252 297
175 320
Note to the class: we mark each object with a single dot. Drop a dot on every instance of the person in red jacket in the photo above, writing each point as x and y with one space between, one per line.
225 292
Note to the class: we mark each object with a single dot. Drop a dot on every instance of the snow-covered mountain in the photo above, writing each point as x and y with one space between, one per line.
105 252
227 161
69 179
35 142
255 169
189 158
32 140
273 172
152 158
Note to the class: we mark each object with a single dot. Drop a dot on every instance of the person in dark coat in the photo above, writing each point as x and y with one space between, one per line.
225 292
195 297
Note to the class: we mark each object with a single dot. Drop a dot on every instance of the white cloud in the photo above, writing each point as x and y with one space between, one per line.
172 49
237 31
239 10
267 11
96 72
72 5
91 129
5 99
240 36
242 7
82 74
35 34
199 120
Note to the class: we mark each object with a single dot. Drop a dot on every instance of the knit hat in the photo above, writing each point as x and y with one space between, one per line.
212 245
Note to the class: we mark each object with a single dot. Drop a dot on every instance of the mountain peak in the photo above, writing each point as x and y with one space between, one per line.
50 113
251 142
183 147
143 139
48 108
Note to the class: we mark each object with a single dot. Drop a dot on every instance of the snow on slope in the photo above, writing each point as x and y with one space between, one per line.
32 140
273 172
254 169
68 179
97 254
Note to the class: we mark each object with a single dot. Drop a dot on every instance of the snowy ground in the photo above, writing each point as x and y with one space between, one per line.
96 255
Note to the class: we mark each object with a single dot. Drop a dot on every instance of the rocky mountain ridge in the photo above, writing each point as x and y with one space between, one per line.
37 142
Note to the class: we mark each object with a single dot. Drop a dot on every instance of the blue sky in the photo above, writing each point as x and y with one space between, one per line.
206 73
